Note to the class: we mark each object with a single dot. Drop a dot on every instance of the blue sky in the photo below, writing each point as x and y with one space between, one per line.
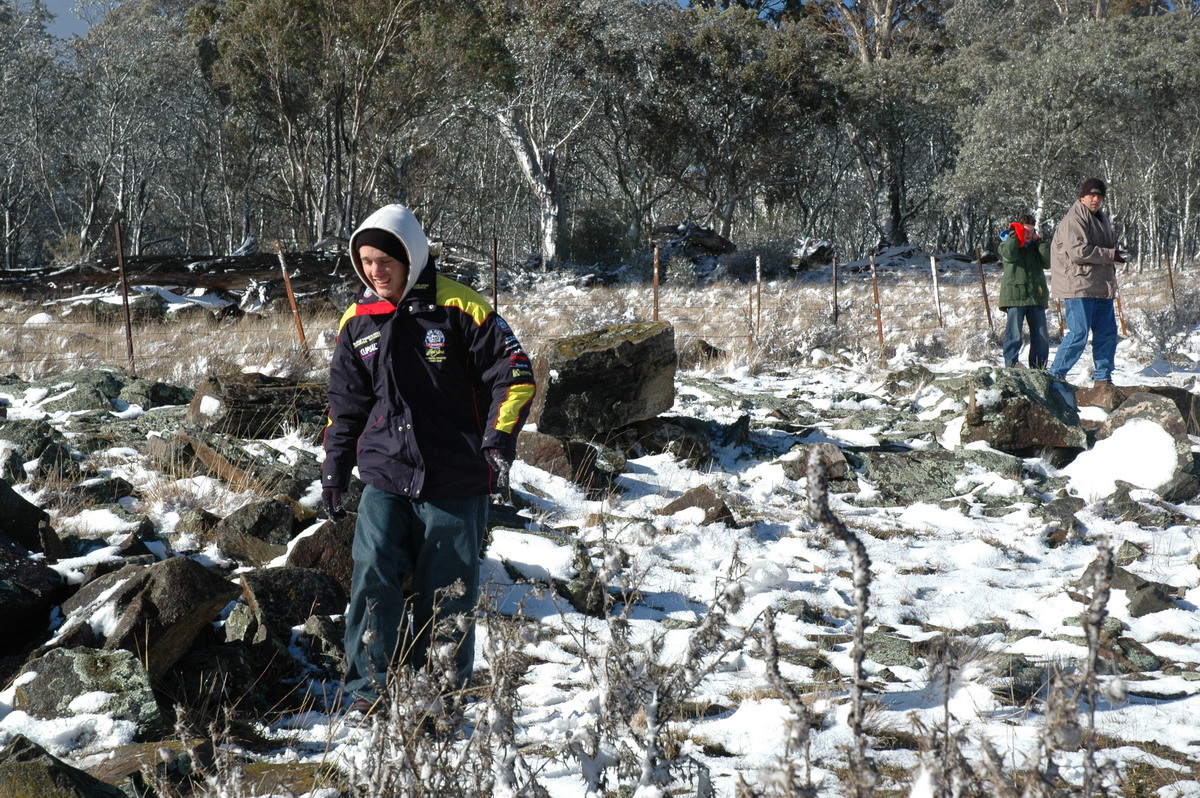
65 22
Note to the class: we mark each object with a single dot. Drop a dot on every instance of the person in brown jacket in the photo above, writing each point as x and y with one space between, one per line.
1083 260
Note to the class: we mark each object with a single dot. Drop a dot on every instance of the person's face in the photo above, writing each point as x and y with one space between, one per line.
1093 201
388 276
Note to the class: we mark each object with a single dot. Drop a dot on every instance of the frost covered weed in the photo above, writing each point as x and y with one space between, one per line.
863 773
634 740
1164 327
792 773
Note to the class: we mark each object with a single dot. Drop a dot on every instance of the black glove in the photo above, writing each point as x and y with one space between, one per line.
499 464
1120 255
331 502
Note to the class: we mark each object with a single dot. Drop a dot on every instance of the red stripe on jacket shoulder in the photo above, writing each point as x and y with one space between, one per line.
366 309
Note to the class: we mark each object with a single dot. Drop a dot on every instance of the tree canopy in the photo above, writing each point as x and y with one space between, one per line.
571 130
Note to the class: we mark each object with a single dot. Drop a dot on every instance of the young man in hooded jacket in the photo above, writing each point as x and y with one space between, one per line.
428 389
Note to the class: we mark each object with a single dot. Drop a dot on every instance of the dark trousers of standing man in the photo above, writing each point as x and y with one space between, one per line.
406 553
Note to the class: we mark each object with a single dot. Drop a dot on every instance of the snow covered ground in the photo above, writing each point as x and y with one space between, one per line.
934 568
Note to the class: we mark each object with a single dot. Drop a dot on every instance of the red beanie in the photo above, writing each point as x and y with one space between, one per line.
1093 185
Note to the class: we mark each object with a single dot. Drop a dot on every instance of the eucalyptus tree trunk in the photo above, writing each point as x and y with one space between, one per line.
539 168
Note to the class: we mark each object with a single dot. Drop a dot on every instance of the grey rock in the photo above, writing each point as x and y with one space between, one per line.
26 523
1018 411
283 598
65 674
593 383
27 769
158 611
932 476
28 592
272 521
714 507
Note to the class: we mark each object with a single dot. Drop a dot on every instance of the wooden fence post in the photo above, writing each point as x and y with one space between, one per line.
878 311
835 287
495 274
287 284
758 279
1117 298
750 326
987 306
655 284
125 298
1171 282
937 296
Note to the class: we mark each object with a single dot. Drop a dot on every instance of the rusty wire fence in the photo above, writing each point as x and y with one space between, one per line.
854 312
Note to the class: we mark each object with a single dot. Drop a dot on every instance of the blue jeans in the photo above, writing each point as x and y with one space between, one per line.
1039 341
406 552
1086 315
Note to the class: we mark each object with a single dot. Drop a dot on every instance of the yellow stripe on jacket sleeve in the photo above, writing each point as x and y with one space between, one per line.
510 409
457 295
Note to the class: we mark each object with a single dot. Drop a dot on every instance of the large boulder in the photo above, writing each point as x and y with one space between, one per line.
591 465
28 592
26 523
193 452
283 598
1019 411
591 384
27 769
87 389
272 521
85 681
155 612
1158 409
328 548
254 405
935 475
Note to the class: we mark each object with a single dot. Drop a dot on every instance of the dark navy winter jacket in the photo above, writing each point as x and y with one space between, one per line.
418 390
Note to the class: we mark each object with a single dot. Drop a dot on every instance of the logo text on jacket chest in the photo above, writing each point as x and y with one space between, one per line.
368 345
435 346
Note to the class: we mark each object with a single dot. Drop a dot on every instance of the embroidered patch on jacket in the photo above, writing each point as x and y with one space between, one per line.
435 346
368 345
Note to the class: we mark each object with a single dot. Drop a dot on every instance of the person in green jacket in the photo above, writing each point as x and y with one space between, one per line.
1023 294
